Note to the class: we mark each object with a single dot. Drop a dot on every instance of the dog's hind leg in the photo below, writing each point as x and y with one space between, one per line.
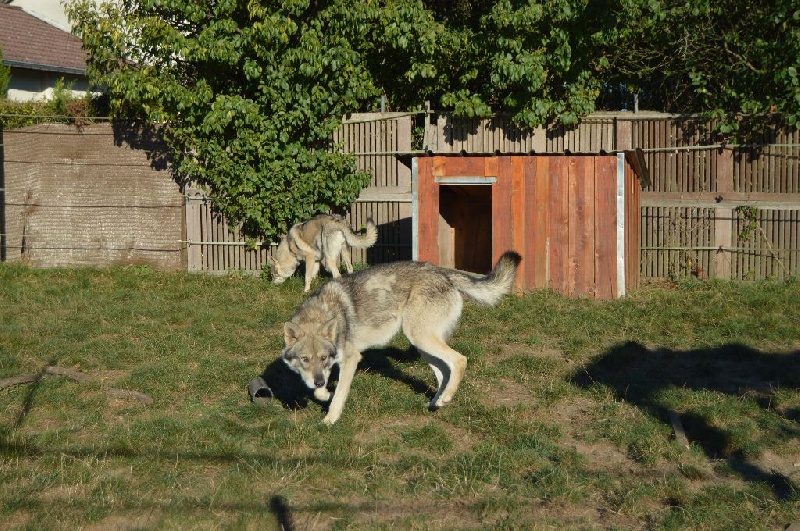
312 269
427 324
438 353
331 264
332 249
346 259
347 370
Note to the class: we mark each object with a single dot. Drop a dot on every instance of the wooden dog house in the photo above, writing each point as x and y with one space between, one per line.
573 218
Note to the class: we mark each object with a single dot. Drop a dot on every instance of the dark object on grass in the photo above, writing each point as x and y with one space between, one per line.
258 390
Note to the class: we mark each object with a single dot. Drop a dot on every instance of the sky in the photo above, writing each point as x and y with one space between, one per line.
51 11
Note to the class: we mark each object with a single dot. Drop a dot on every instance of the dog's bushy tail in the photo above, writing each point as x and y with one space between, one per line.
362 241
489 288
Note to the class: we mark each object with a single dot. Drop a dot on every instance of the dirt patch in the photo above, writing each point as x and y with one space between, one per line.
521 349
506 393
600 455
785 464
391 433
122 522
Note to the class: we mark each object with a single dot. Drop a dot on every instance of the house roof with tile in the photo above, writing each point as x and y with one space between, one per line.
28 42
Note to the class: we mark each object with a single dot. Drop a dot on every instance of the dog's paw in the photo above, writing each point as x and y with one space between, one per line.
437 403
322 394
330 420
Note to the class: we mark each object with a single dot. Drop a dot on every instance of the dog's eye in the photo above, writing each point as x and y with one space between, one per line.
304 359
323 358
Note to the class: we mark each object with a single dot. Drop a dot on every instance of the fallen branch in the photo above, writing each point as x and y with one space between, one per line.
78 376
125 394
75 374
18 380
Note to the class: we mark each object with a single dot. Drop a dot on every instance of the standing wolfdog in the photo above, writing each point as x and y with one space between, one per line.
350 314
323 238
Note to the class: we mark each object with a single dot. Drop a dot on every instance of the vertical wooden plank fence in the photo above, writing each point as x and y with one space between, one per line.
375 140
710 210
714 210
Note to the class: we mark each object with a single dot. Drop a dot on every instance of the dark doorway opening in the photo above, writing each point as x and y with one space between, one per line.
465 227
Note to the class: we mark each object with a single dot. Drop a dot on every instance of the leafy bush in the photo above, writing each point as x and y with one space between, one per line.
63 107
5 76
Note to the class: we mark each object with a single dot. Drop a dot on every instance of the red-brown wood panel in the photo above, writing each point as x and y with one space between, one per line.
463 167
518 167
537 215
606 231
427 210
587 186
558 203
581 227
490 167
439 166
502 219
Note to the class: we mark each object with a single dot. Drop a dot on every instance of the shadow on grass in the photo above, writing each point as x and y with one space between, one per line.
380 361
280 509
288 388
640 376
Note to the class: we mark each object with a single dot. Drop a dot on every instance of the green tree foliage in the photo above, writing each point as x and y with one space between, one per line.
5 76
248 92
535 60
723 58
247 96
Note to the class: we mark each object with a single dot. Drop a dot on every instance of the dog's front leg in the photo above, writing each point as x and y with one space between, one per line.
347 370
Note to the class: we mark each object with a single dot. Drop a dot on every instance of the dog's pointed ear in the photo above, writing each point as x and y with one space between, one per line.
291 333
329 331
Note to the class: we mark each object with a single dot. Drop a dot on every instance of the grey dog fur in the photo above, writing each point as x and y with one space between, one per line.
347 315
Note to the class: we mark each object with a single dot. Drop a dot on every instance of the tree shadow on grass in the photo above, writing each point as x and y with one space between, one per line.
291 392
640 376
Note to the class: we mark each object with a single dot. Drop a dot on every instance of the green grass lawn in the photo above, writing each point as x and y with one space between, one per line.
567 416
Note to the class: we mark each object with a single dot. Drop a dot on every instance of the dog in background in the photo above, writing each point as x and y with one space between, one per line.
324 239
352 313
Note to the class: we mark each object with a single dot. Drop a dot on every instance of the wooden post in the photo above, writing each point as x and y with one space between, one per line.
623 138
723 216
428 217
2 199
194 235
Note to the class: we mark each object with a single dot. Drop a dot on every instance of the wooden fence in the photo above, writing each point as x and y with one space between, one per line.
74 197
714 210
378 141
708 209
